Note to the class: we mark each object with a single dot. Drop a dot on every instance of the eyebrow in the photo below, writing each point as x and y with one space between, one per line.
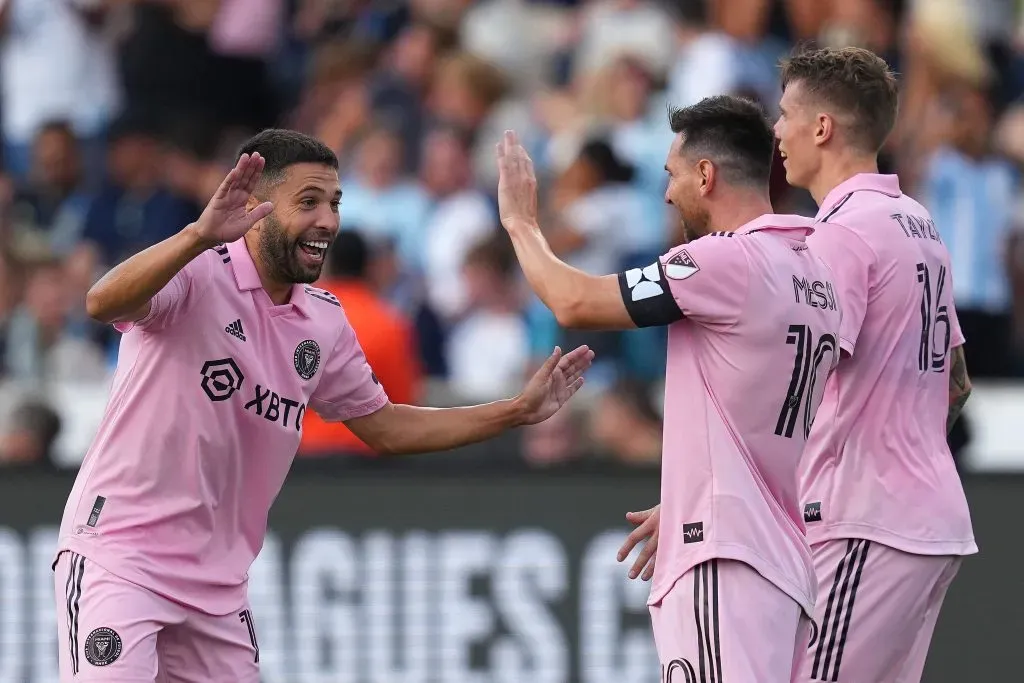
318 190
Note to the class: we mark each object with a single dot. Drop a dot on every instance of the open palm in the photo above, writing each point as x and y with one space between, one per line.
554 383
227 217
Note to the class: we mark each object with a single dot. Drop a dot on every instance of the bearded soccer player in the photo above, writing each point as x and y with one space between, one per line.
753 324
225 346
885 511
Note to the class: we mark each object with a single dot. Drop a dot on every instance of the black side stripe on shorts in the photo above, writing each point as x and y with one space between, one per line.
245 616
839 611
705 609
73 590
690 676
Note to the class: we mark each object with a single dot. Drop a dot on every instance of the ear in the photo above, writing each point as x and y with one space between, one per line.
825 129
708 176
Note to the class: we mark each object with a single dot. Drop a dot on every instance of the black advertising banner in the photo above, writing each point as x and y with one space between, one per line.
420 578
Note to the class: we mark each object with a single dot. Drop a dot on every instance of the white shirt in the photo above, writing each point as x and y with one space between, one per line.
54 66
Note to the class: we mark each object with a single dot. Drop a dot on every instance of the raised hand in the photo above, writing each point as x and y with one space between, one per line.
554 384
226 218
517 183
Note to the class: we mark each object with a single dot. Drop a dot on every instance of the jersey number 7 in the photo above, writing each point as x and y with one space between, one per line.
806 363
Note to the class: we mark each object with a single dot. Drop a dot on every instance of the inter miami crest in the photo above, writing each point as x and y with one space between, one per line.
102 647
307 359
681 266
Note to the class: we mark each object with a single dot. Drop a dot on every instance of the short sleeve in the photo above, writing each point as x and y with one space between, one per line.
849 259
348 388
174 300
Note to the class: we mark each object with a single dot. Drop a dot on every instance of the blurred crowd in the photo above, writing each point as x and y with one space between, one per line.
120 117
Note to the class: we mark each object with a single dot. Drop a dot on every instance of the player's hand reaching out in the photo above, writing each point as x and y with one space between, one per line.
227 217
554 384
646 532
517 184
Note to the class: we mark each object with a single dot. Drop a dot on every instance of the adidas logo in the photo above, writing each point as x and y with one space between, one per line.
235 330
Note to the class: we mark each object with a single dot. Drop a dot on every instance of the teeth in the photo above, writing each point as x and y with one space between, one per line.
315 245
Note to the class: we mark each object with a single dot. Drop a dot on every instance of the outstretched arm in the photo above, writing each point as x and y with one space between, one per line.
577 299
959 386
401 429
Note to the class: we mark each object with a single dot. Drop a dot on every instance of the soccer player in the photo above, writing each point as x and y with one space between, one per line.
883 504
754 320
225 346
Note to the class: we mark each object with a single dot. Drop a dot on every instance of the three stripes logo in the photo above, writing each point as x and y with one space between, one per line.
235 330
73 595
677 668
835 625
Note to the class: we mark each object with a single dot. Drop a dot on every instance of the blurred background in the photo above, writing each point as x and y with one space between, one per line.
120 117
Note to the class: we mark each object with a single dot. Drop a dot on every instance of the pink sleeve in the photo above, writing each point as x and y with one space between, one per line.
708 279
171 302
849 259
348 388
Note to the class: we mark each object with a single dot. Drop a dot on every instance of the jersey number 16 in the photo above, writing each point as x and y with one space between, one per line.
932 316
806 363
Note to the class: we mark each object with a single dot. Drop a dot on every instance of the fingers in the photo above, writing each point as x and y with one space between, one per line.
251 171
551 363
576 362
649 571
636 536
259 213
645 557
227 184
639 517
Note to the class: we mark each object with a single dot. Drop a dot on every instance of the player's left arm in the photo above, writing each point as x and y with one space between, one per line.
959 386
349 392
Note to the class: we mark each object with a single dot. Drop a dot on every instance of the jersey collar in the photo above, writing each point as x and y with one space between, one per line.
248 279
872 182
796 227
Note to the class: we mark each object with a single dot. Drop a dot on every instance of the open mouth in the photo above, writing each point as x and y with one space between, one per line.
315 250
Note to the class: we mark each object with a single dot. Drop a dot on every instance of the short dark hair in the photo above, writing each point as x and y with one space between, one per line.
732 132
284 148
349 255
855 81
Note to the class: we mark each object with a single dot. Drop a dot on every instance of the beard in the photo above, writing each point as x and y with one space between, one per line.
694 224
281 253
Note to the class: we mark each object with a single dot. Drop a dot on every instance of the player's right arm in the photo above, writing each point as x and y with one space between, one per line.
127 292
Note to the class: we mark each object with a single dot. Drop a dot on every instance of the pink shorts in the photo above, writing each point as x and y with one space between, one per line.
114 631
722 621
875 613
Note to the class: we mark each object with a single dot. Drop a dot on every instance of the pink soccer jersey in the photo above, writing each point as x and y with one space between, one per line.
756 335
877 465
202 426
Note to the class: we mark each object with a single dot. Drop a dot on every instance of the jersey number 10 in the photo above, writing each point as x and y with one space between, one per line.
807 362
932 316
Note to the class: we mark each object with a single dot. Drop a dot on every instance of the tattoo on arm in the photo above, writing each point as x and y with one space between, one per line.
959 386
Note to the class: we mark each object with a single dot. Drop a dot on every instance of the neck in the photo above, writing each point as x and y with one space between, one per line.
739 209
837 171
277 290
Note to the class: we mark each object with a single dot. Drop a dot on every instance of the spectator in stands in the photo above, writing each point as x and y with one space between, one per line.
625 424
488 350
383 201
41 345
56 62
29 438
49 207
971 193
134 210
383 332
460 217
